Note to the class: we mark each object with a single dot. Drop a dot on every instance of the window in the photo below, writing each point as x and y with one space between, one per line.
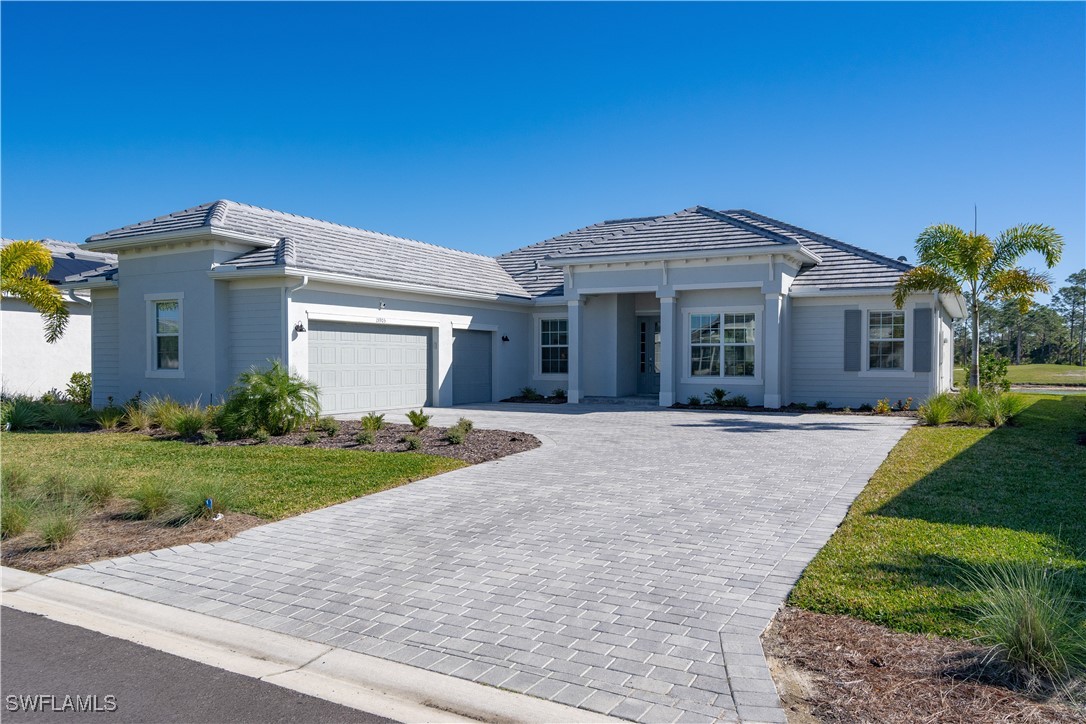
722 345
886 340
167 334
553 346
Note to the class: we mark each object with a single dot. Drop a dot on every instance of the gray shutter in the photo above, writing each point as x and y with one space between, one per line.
922 339
852 340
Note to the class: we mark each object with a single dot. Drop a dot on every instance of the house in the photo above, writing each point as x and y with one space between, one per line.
30 365
664 306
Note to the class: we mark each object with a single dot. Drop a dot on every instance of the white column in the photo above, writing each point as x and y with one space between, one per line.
667 351
772 364
573 327
443 350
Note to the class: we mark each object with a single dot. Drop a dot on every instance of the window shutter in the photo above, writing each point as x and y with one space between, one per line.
922 339
853 319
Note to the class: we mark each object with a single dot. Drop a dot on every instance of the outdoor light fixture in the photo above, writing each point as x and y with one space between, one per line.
505 337
299 327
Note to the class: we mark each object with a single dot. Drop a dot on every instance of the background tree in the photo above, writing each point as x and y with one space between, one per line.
1070 302
22 264
954 261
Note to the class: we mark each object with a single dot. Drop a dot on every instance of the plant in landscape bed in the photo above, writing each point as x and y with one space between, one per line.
1027 613
716 396
882 407
693 401
65 416
193 501
208 436
152 498
455 435
329 426
57 527
163 411
938 410
187 420
136 417
822 405
418 419
530 393
373 422
79 389
737 401
365 437
22 413
414 442
466 424
310 437
558 392
109 418
275 398
97 490
15 513
261 436
14 478
865 407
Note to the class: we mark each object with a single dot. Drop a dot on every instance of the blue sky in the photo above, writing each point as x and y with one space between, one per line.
490 126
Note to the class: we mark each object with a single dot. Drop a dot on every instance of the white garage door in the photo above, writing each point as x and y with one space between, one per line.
361 367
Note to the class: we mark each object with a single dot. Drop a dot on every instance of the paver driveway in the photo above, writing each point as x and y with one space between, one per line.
618 568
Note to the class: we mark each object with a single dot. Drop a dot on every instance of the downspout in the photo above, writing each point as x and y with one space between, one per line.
287 329
73 297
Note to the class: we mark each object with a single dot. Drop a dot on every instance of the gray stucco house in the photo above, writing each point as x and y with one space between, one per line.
663 306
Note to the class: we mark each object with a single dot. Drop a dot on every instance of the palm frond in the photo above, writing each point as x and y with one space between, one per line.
924 279
19 257
44 297
1018 285
937 246
1016 241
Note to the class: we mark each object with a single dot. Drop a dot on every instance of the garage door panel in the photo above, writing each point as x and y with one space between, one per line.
366 367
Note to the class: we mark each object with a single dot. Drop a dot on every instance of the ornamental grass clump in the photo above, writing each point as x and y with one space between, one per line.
1027 615
22 413
938 410
65 416
152 499
57 527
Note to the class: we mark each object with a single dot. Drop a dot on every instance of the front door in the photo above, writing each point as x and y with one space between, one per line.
648 351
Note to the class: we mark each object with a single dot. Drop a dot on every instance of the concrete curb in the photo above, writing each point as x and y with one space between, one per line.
367 683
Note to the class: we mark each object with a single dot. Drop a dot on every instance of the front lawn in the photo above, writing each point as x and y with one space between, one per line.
948 498
271 482
1035 375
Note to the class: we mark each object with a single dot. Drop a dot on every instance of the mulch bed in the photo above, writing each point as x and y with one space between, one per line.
840 669
478 447
109 532
793 409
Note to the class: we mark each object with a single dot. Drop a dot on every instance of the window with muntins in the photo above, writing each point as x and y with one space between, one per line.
886 340
722 344
553 346
167 331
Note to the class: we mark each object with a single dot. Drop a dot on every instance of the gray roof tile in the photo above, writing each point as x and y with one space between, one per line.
72 259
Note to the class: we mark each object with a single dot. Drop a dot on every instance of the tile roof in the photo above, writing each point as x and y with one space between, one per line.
316 245
71 259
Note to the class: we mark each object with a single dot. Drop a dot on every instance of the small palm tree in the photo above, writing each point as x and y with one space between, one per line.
275 399
953 261
16 261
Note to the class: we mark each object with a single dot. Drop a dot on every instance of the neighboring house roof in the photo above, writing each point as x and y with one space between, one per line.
316 245
71 259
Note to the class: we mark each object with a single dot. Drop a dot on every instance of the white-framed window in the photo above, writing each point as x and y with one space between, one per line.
722 344
886 340
553 346
164 334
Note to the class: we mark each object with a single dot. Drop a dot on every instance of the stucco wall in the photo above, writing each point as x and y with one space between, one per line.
29 364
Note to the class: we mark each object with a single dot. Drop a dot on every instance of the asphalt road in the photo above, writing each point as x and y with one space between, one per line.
42 657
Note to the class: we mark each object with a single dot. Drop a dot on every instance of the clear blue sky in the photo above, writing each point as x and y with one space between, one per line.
489 126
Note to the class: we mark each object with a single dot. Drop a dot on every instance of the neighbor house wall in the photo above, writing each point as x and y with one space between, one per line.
817 355
30 365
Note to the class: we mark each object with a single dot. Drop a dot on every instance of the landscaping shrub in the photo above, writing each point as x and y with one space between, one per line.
373 422
716 396
64 416
208 436
558 392
418 419
455 435
98 490
261 435
57 527
58 489
693 401
365 437
79 389
163 411
14 479
136 417
907 405
186 420
882 407
152 499
865 407
232 425
938 410
1010 404
822 405
993 373
465 423
15 512
109 418
192 502
329 426
1028 615
414 442
310 438
737 401
530 393
276 399
22 413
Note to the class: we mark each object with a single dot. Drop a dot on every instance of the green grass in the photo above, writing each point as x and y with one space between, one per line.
268 481
950 500
1035 375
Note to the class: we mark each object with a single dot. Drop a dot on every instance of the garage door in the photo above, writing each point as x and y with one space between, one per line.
471 366
362 367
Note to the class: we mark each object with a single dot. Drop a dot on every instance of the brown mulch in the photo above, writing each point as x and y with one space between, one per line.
109 532
840 669
478 447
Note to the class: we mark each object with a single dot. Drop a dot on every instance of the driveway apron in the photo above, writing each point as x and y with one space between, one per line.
627 566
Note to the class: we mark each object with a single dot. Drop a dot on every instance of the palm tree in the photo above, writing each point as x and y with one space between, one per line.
953 261
16 261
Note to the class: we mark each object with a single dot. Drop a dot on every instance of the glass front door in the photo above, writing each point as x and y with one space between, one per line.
648 347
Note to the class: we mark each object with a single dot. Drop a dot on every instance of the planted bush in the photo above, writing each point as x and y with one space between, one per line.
208 436
822 405
79 389
261 435
310 438
558 392
14 479
136 417
882 407
456 435
716 396
530 393
98 490
737 401
693 401
466 424
57 527
192 503
938 410
152 499
373 422
365 437
64 416
329 426
15 513
419 419
109 418
163 411
22 413
187 420
276 399
414 442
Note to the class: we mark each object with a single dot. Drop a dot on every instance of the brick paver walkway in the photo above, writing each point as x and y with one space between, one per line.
627 566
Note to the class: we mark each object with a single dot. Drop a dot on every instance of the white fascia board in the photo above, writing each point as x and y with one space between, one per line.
753 251
829 292
163 237
225 271
96 284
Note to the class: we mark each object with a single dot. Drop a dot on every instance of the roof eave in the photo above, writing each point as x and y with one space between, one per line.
802 255
102 283
163 237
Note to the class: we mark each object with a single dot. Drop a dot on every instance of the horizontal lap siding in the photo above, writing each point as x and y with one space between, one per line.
105 349
256 320
818 363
